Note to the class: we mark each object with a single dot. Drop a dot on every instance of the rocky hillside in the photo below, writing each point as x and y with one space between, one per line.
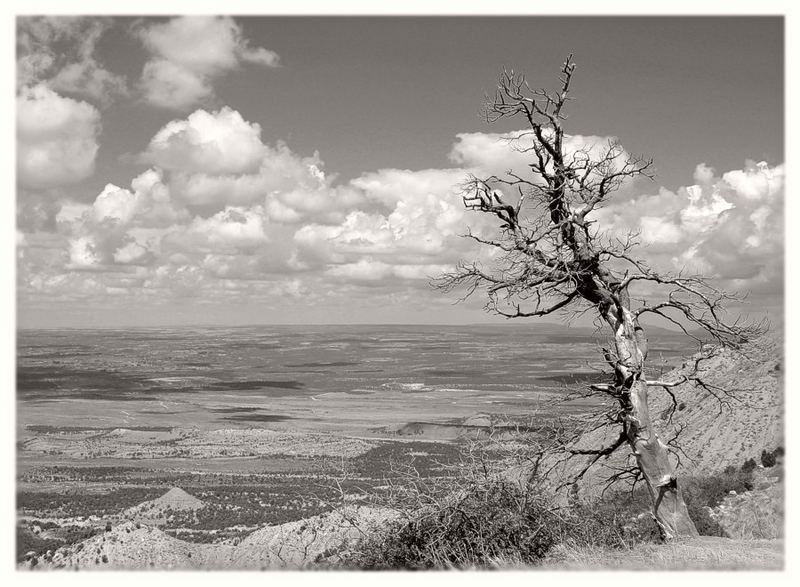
156 511
133 545
733 416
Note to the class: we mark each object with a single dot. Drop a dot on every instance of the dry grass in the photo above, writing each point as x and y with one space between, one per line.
754 514
704 553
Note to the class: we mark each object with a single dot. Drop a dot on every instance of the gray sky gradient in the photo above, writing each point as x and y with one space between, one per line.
368 95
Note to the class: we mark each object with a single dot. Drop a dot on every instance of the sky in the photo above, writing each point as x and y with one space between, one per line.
218 170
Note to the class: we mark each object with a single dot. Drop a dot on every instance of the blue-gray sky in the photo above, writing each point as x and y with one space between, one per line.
270 169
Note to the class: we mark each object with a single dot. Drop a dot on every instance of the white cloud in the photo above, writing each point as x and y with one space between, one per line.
497 153
217 159
131 253
121 227
728 227
56 138
259 56
418 220
73 67
703 173
148 204
171 86
90 80
658 230
231 229
215 143
704 209
188 53
757 182
83 253
365 269
224 216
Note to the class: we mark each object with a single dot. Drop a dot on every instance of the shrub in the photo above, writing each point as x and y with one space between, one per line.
496 523
749 465
484 525
770 459
702 493
27 541
493 522
623 513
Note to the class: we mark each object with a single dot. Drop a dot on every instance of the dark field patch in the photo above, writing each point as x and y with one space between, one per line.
324 364
257 418
59 355
252 345
46 429
55 345
574 378
117 396
568 339
233 410
121 473
255 384
65 382
454 372
385 460
85 503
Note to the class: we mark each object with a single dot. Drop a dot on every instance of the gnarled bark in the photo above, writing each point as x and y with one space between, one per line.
652 455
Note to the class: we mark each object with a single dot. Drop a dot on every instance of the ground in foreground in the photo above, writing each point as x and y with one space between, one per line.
703 553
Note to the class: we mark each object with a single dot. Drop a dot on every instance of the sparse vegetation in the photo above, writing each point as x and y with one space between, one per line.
497 524
29 541
770 458
484 521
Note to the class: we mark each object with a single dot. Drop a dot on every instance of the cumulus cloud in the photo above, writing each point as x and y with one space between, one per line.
56 138
146 204
216 143
368 271
222 215
233 229
189 53
418 220
72 68
122 226
217 159
729 227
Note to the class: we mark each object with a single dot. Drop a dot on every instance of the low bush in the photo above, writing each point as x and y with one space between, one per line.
27 542
749 465
702 493
496 523
485 525
770 458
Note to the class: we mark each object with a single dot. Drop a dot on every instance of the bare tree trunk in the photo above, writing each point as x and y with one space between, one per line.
669 509
652 456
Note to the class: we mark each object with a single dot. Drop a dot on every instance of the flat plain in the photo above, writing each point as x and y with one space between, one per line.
267 425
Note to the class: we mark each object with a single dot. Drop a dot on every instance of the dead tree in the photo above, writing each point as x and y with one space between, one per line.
549 256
